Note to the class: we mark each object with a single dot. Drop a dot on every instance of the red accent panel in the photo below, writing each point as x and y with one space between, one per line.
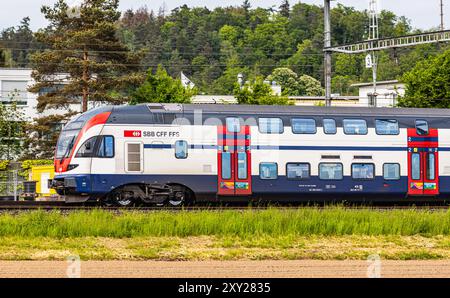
424 146
100 119
132 133
234 144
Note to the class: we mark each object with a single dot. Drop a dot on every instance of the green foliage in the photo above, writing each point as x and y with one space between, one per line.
160 87
293 85
258 93
310 86
21 43
11 131
331 221
427 84
287 79
342 85
4 165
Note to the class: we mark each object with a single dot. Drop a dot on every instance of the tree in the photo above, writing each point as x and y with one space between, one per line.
287 79
85 47
258 93
427 84
19 42
293 85
11 131
309 86
162 88
285 8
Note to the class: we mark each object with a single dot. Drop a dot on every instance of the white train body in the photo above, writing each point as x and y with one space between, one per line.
247 152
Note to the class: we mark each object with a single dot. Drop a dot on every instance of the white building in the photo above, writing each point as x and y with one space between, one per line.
387 93
14 84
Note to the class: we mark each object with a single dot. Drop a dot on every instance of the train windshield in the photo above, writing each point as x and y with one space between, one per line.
70 132
65 143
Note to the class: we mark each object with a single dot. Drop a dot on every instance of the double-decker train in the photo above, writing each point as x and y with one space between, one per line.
169 154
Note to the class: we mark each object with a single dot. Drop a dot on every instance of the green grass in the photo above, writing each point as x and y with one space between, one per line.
332 233
333 221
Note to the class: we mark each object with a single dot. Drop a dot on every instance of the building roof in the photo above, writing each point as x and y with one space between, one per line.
381 83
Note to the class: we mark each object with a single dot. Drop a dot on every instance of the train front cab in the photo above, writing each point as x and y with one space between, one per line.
79 144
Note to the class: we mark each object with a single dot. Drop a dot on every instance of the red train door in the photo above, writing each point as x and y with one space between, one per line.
423 163
234 162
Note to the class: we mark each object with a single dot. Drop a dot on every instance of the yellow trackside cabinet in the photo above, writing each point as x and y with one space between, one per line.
41 174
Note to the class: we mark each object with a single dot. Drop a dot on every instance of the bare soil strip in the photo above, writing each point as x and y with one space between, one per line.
224 269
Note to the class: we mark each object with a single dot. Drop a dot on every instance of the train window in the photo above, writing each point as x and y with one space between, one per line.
422 127
268 171
181 149
303 126
242 165
415 167
298 171
329 126
134 157
391 171
431 166
271 125
226 165
87 149
233 124
387 127
106 148
355 127
363 171
331 171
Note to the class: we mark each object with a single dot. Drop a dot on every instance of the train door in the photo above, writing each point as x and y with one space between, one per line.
423 163
234 162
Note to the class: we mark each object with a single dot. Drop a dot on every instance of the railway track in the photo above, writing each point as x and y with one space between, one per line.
49 206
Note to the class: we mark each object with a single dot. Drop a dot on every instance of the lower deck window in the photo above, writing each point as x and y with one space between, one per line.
391 171
363 171
226 165
298 171
415 166
331 171
431 167
268 171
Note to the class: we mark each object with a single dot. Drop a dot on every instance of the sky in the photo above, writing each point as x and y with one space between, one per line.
424 14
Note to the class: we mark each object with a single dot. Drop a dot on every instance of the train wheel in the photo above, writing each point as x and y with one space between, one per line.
178 200
121 199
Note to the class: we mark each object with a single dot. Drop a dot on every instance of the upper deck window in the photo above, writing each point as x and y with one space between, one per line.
387 127
271 125
355 127
304 126
233 124
329 126
422 127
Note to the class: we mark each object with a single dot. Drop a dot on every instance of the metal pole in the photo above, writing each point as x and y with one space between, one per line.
15 184
374 70
327 45
442 15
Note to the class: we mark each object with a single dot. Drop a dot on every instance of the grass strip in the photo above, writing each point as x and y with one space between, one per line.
333 221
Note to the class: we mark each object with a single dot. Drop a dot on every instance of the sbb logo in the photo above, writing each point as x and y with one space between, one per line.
133 133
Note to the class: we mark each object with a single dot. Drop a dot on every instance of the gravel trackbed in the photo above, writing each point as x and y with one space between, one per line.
224 269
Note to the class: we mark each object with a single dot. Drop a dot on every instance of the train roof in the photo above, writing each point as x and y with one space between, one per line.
277 110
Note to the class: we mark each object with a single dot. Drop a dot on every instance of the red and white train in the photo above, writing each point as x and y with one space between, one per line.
174 154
